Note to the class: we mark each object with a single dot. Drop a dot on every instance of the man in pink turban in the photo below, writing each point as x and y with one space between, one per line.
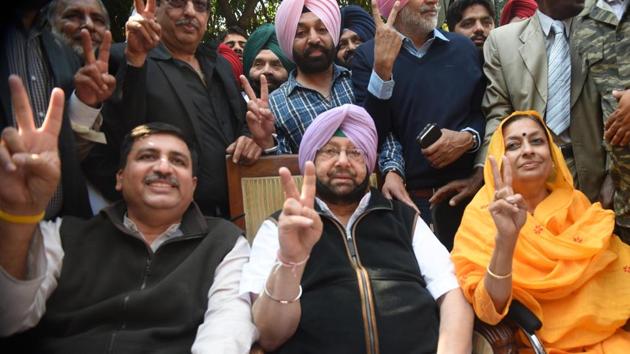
307 31
290 13
348 121
341 267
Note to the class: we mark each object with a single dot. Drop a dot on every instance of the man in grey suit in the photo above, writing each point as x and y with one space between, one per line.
520 63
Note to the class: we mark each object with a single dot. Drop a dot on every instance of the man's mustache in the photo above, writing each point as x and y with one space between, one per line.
187 21
313 47
158 177
343 172
425 8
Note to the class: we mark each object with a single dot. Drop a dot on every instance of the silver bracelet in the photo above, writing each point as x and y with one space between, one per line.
284 302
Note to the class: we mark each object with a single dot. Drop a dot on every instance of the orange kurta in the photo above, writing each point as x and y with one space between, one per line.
568 267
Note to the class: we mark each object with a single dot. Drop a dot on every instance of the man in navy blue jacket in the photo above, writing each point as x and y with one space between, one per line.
422 75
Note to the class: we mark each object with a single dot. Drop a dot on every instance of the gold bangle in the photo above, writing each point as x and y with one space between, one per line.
283 302
21 219
496 276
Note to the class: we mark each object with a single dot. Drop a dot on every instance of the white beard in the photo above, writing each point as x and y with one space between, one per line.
413 19
77 48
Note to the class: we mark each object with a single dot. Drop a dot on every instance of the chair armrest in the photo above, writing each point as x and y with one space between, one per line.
523 317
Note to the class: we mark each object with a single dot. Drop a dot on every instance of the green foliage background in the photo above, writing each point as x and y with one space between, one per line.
248 14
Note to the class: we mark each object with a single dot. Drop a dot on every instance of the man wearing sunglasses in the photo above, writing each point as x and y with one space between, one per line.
165 74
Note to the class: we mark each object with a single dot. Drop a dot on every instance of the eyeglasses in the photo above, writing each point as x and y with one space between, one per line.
198 5
329 153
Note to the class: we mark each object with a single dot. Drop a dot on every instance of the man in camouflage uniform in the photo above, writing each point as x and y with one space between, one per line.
604 44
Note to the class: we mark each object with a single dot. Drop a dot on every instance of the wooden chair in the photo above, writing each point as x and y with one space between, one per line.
255 191
501 339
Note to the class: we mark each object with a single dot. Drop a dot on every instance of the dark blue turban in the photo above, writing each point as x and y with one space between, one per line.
355 18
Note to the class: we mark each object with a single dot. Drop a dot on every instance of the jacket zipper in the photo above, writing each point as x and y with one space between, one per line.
365 289
147 271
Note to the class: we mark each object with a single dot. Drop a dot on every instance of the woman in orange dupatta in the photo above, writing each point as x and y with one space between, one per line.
529 235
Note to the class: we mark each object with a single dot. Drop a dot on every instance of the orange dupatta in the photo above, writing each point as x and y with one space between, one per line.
568 267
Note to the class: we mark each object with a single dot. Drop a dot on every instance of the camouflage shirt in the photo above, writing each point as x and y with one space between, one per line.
604 44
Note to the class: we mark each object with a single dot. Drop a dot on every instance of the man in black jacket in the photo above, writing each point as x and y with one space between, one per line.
342 267
149 273
165 74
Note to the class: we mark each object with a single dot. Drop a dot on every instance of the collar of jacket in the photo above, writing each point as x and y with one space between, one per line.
193 222
206 50
377 201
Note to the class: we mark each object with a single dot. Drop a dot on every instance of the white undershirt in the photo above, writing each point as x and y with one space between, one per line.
433 258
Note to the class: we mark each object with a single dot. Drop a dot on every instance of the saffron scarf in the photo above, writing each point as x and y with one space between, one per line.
568 267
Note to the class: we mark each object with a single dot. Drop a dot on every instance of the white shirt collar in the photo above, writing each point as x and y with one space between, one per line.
546 21
172 231
358 211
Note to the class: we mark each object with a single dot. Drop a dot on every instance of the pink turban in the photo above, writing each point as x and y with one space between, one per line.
386 6
353 121
288 16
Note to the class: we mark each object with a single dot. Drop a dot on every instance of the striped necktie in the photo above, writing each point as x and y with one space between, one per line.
559 81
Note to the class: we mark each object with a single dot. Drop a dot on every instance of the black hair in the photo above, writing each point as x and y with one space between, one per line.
151 129
456 11
518 117
233 30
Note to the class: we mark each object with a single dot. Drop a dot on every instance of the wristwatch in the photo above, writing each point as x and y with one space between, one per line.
475 141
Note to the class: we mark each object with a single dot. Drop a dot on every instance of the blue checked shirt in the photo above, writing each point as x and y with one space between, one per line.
295 107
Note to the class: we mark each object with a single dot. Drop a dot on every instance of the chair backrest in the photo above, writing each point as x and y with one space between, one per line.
255 191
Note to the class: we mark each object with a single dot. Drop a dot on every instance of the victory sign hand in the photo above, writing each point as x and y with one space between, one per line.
387 42
93 82
260 119
299 225
508 210
142 31
29 157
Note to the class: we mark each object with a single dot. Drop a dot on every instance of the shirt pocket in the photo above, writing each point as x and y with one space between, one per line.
592 52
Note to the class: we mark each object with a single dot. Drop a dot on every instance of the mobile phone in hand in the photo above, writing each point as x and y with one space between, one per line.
429 135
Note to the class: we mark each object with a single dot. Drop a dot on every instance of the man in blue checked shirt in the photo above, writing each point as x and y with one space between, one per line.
308 33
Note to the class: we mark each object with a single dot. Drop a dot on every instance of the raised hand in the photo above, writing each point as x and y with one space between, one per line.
29 158
299 225
387 42
142 31
92 82
260 119
508 210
